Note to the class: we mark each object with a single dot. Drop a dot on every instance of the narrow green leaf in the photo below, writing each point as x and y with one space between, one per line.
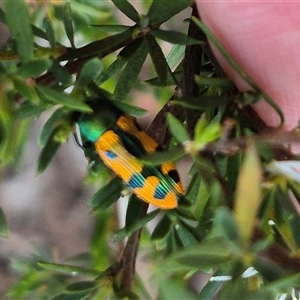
210 290
135 218
135 223
112 69
192 193
205 167
130 73
68 23
37 31
12 148
82 286
130 109
220 82
249 97
69 269
125 7
160 157
185 236
134 211
295 188
89 72
111 28
18 20
203 102
177 129
162 229
175 55
171 245
63 99
81 295
51 124
120 235
174 37
107 195
49 32
280 286
200 127
288 232
201 195
185 214
162 10
248 194
211 253
268 269
29 110
4 230
34 68
225 225
61 73
233 289
100 47
159 61
141 222
206 133
26 90
48 153
170 80
121 60
174 289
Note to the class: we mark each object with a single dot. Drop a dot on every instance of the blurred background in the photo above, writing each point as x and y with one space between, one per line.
48 212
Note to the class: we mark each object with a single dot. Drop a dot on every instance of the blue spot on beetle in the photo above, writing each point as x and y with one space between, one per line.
110 154
160 192
136 181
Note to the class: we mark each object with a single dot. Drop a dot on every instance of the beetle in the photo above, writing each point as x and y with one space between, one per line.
119 141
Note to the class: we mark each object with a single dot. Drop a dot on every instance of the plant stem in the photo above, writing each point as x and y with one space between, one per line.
129 255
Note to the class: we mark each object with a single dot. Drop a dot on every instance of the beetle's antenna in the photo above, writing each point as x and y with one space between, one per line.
78 141
77 138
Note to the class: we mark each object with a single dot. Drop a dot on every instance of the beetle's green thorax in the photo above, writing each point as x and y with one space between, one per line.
93 126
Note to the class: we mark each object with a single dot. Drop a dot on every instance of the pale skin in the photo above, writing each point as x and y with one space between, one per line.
264 39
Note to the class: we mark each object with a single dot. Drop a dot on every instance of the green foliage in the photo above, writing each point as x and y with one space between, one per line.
177 129
238 202
107 195
20 28
131 72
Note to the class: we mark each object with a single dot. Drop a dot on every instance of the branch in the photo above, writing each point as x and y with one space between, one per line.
192 67
129 255
278 141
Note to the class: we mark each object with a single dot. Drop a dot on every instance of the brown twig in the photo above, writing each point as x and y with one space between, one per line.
129 255
278 141
129 261
74 66
192 67
158 129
